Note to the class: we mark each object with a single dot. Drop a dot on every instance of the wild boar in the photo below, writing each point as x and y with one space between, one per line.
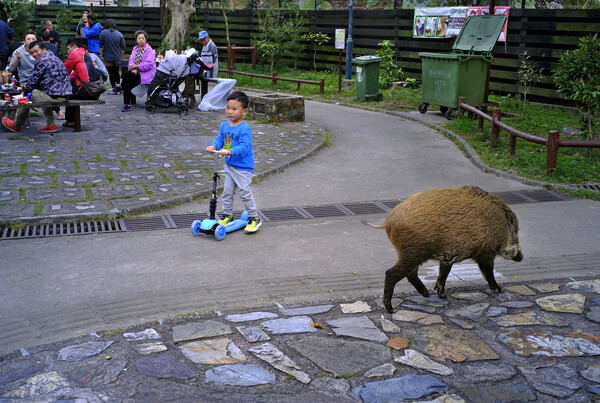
449 225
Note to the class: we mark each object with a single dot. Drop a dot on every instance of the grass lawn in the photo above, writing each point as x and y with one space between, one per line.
574 165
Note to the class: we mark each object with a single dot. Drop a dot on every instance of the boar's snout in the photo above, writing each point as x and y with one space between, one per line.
518 257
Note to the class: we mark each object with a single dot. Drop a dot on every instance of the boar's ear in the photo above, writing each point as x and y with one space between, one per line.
513 223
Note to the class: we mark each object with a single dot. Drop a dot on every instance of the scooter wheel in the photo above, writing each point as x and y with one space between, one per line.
196 225
150 109
183 110
220 232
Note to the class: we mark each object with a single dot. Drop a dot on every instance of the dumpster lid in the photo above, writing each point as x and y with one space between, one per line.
480 33
366 59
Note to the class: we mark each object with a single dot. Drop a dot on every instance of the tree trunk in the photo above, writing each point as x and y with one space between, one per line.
180 15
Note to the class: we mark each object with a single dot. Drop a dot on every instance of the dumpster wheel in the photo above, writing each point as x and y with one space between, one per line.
443 109
423 107
451 114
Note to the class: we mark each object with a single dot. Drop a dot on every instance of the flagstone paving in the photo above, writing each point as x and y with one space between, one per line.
535 342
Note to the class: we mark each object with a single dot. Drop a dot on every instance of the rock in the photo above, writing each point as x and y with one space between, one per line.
568 303
427 309
521 290
294 324
360 327
39 385
164 365
97 371
432 301
552 378
389 327
204 329
546 287
253 333
495 311
456 345
246 317
593 314
12 370
149 348
592 372
452 398
271 354
356 307
482 372
470 296
408 316
308 310
340 356
462 323
398 343
555 343
331 386
239 375
382 370
148 334
530 319
213 351
517 304
472 312
82 351
431 320
398 389
499 393
415 359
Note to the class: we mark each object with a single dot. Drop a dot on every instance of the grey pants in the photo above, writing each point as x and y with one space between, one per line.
240 179
37 96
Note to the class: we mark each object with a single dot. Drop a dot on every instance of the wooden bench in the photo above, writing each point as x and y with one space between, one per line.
190 90
76 103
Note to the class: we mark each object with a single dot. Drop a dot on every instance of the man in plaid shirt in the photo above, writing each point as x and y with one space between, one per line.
49 82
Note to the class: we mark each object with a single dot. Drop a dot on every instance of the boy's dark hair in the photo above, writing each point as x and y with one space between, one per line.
45 36
39 44
75 41
240 97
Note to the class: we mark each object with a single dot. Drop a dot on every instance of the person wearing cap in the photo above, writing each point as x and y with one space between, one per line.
209 55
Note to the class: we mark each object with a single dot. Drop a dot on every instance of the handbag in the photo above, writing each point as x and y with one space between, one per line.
94 88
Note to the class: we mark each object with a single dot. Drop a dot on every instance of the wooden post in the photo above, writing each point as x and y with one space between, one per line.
254 57
461 100
274 80
512 144
495 131
321 86
230 62
552 150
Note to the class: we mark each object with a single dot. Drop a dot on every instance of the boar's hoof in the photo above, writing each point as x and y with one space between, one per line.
440 291
388 306
424 292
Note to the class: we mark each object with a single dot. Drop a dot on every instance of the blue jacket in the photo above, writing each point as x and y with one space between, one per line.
238 139
6 33
93 37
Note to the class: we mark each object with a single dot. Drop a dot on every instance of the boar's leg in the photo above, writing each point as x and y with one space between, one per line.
440 284
486 265
414 279
403 268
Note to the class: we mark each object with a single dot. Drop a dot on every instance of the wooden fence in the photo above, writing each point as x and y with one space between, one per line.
543 34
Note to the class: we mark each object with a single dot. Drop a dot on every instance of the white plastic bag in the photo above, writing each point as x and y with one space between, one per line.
216 98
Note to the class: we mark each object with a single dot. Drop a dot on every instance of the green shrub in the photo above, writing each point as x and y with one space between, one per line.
389 71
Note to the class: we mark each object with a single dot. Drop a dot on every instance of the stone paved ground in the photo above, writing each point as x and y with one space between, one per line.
533 342
127 162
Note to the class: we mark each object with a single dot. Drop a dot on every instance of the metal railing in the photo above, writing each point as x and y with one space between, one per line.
552 143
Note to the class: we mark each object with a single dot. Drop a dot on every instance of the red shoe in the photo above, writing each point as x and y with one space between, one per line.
10 125
49 129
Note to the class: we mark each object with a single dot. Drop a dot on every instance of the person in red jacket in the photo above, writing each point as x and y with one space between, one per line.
81 67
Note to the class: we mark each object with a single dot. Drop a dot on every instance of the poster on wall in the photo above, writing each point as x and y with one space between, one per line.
444 22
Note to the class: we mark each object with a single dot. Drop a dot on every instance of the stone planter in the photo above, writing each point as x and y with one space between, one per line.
277 108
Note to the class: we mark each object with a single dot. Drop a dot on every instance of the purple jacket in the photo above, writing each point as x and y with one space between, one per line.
148 64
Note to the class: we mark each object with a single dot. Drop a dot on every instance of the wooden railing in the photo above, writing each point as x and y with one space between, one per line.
231 49
552 143
274 78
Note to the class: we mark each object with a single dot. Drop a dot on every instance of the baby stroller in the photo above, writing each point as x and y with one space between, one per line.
163 91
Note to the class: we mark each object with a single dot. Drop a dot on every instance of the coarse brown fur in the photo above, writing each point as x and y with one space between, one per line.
449 225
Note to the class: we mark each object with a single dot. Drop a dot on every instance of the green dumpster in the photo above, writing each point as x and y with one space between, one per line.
367 78
462 73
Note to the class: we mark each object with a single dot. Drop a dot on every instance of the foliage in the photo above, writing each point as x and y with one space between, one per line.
279 36
529 74
316 39
18 11
64 20
389 71
578 78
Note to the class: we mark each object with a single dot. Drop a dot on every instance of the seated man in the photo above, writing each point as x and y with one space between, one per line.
49 82
21 60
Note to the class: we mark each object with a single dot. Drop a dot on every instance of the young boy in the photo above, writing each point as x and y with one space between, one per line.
234 142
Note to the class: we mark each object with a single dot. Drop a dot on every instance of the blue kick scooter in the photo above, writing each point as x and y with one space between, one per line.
211 225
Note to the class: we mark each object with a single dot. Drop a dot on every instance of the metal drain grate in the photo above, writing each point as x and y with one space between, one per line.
272 215
594 187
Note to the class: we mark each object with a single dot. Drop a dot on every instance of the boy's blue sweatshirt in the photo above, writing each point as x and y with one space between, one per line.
238 139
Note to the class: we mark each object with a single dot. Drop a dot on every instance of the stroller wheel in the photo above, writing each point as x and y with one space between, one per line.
183 110
150 109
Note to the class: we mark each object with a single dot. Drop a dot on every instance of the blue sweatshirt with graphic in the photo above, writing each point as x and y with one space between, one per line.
238 139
